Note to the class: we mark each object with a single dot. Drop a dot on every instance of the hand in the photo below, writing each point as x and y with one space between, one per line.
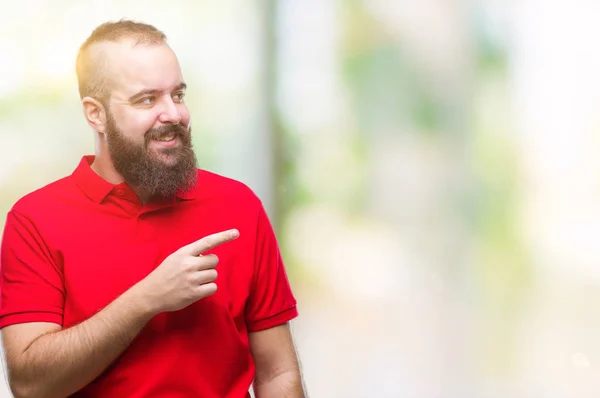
186 276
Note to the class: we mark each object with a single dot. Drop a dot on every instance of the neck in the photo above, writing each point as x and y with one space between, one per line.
103 166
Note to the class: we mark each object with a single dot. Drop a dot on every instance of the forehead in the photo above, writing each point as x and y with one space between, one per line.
133 68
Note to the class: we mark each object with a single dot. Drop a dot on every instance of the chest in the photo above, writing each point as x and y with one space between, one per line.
117 251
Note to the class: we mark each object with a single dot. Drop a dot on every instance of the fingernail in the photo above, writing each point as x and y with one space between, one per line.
234 234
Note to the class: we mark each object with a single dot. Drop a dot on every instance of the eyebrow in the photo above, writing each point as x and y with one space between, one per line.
140 94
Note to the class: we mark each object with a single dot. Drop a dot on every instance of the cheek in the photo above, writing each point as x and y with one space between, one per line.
132 124
136 127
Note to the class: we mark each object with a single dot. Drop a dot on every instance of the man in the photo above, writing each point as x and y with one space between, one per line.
109 283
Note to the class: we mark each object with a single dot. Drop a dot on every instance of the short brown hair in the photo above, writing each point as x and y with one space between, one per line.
91 78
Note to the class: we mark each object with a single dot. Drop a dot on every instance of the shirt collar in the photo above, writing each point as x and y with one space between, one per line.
94 186
97 188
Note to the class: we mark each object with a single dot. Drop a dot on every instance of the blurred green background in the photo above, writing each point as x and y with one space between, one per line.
430 167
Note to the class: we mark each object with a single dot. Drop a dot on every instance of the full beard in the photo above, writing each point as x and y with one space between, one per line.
145 170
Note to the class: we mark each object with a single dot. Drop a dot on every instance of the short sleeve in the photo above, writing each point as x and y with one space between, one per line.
271 300
31 285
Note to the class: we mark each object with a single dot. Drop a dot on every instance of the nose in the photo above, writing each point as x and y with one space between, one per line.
169 114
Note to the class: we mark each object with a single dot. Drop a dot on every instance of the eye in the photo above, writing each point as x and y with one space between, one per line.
178 98
146 101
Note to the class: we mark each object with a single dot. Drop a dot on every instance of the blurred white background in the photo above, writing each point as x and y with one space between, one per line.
430 167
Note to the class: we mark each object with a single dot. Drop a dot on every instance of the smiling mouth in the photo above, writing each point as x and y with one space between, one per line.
167 141
166 138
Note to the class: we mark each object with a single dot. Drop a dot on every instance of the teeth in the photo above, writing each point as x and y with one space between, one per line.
166 138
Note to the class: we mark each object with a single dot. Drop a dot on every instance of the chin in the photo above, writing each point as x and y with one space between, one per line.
167 158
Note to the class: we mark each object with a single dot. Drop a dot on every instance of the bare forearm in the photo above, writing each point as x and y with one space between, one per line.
284 385
59 364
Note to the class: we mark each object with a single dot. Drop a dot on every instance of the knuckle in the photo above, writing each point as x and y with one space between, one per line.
189 295
210 288
190 278
212 274
171 257
210 261
205 277
188 261
209 241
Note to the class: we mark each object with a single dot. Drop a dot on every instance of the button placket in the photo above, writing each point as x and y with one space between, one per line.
145 231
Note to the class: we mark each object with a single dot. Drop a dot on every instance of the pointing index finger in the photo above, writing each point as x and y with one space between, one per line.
211 241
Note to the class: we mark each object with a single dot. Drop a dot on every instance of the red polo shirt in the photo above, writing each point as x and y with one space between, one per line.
72 247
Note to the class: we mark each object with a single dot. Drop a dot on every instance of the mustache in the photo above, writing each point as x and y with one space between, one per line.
165 131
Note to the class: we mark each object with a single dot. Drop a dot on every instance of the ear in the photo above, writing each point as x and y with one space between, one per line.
94 113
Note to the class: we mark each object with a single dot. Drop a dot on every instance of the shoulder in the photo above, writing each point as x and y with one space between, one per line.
211 184
44 198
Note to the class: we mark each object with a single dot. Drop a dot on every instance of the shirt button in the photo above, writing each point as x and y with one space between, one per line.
120 192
